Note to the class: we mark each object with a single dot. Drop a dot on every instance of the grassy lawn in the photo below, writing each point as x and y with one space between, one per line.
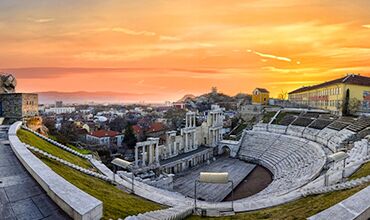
31 139
300 209
267 116
363 171
82 151
116 203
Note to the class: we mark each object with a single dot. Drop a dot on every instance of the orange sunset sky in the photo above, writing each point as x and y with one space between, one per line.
167 48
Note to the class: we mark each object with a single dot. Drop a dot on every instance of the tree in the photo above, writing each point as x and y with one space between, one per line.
353 106
118 124
345 110
130 138
175 117
283 95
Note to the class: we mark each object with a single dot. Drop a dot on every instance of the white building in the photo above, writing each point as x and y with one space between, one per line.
103 137
60 110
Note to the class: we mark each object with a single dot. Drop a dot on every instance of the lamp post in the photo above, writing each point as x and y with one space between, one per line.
117 162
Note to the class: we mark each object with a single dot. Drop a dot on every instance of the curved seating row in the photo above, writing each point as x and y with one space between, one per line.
293 161
328 137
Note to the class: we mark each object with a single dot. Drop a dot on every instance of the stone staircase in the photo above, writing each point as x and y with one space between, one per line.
173 213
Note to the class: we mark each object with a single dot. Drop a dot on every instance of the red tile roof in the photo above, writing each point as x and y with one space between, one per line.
137 129
157 126
349 79
104 133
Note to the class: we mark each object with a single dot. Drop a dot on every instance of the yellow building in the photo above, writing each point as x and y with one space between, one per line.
331 95
260 96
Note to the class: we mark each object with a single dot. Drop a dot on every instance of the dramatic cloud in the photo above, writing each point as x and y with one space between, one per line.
41 20
270 56
132 32
182 46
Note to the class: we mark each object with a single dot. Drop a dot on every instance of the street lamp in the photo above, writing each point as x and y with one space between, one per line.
124 164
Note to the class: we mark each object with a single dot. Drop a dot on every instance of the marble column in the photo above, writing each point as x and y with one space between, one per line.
186 142
157 153
195 140
150 153
144 156
136 156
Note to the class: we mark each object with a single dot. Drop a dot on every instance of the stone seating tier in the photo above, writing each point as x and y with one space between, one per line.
293 161
302 121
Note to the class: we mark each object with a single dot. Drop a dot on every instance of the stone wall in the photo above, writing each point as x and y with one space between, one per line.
17 106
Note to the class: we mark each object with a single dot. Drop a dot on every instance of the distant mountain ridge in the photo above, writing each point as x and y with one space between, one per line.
85 97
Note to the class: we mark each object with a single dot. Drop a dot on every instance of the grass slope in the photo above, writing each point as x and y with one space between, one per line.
31 139
82 151
362 172
116 203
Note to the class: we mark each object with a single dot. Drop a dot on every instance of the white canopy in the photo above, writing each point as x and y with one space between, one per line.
208 177
340 155
121 163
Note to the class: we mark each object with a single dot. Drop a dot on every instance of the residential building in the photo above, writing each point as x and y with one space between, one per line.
60 110
104 137
331 95
260 96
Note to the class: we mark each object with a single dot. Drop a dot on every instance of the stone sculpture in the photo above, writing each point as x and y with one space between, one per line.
7 83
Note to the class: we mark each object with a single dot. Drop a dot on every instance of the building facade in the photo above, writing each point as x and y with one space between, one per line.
18 106
331 95
107 138
60 110
260 96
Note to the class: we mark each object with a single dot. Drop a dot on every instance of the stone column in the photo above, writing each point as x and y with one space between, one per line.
150 153
170 146
136 156
144 156
157 153
195 140
194 121
186 142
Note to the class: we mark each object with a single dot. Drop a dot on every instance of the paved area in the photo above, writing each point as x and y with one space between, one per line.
21 197
237 170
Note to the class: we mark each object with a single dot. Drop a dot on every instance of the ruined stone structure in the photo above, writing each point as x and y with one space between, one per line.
194 145
7 83
18 106
15 106
148 148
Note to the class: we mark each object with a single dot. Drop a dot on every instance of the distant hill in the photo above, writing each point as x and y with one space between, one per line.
204 102
84 97
188 96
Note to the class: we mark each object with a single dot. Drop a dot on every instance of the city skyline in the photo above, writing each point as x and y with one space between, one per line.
164 50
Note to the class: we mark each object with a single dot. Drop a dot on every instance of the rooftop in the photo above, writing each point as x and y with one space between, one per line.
349 79
104 133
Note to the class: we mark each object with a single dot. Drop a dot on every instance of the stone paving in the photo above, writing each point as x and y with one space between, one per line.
20 195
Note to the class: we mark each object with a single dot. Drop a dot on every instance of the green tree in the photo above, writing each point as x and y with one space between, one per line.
130 138
345 110
353 106
118 124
